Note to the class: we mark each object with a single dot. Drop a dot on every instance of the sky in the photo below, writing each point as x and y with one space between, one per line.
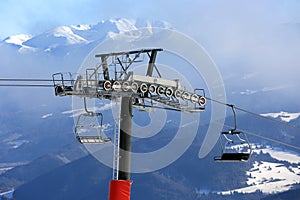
34 16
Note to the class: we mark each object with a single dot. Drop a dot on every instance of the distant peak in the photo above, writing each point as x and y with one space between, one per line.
116 25
152 24
120 25
62 31
17 39
82 27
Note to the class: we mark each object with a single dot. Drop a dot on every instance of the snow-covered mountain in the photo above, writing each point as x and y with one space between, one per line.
63 36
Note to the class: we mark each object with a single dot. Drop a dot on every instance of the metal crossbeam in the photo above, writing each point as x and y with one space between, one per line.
128 52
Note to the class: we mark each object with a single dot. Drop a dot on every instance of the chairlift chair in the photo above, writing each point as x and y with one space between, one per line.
62 86
89 128
236 147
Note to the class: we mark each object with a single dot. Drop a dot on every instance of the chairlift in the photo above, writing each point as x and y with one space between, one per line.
62 86
235 147
89 128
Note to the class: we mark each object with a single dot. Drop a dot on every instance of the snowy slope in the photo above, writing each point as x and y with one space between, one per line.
60 36
19 42
284 116
17 39
274 176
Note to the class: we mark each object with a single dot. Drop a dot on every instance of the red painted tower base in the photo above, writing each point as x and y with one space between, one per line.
119 189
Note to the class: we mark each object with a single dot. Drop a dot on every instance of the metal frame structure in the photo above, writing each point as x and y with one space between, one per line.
113 79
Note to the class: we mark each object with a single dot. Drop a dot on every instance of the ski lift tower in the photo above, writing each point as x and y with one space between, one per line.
112 78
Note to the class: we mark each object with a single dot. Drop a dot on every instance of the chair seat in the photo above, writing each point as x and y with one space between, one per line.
230 132
233 157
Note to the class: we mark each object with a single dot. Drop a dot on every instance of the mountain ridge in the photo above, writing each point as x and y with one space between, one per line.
79 34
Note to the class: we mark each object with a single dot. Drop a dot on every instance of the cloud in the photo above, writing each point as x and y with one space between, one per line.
248 92
34 16
255 41
266 89
47 116
77 112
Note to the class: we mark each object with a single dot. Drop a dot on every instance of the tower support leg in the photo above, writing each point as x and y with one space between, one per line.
120 189
125 138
